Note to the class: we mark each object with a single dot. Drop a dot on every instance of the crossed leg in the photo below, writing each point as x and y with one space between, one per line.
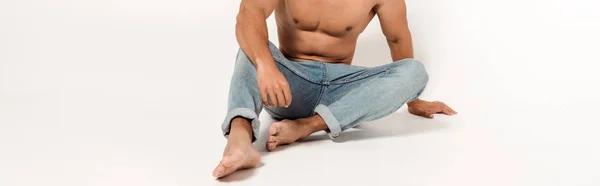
346 105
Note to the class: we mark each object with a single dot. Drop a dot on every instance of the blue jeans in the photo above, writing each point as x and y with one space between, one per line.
343 95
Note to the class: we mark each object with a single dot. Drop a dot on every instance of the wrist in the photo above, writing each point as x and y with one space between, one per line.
413 102
265 65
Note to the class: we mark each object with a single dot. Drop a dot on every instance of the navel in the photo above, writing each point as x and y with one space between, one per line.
295 20
348 28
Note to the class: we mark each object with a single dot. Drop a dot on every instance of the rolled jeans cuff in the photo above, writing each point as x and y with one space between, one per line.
244 113
330 121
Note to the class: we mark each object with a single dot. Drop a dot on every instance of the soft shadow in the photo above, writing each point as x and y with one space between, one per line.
396 124
240 175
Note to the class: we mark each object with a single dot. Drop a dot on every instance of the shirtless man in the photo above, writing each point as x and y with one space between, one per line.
308 82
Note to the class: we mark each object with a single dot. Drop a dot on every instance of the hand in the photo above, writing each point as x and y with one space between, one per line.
427 109
274 88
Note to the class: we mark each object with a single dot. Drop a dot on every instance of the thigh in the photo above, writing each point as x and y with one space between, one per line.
343 79
403 79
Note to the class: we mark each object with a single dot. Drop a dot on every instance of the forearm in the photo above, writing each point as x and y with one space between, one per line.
252 36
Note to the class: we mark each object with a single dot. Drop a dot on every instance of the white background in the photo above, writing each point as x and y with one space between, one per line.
132 92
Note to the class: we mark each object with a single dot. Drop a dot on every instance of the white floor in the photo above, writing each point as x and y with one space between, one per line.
132 92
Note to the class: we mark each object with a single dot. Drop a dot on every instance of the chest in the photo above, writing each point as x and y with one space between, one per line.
334 17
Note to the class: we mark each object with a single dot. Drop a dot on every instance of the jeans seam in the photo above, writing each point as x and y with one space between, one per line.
319 99
324 78
323 87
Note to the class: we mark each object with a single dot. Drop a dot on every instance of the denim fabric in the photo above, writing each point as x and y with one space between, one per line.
343 95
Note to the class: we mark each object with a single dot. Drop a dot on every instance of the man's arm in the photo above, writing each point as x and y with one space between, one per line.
252 36
252 33
394 24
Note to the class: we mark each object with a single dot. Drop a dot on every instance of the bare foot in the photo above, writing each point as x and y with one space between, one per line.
289 131
239 153
237 157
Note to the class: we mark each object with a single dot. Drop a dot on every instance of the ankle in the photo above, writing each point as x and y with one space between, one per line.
240 130
316 123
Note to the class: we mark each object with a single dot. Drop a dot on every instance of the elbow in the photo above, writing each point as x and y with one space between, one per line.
403 37
398 36
393 40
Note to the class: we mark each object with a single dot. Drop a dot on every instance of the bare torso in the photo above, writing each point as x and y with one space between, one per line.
322 30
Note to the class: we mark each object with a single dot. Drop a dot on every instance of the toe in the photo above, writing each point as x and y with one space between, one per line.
218 171
271 146
229 164
222 171
274 129
271 143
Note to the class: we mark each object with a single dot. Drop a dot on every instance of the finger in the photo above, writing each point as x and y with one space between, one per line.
429 115
425 113
280 98
287 93
272 97
265 97
446 110
451 110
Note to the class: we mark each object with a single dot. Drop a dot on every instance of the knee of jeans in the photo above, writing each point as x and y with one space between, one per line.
410 70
